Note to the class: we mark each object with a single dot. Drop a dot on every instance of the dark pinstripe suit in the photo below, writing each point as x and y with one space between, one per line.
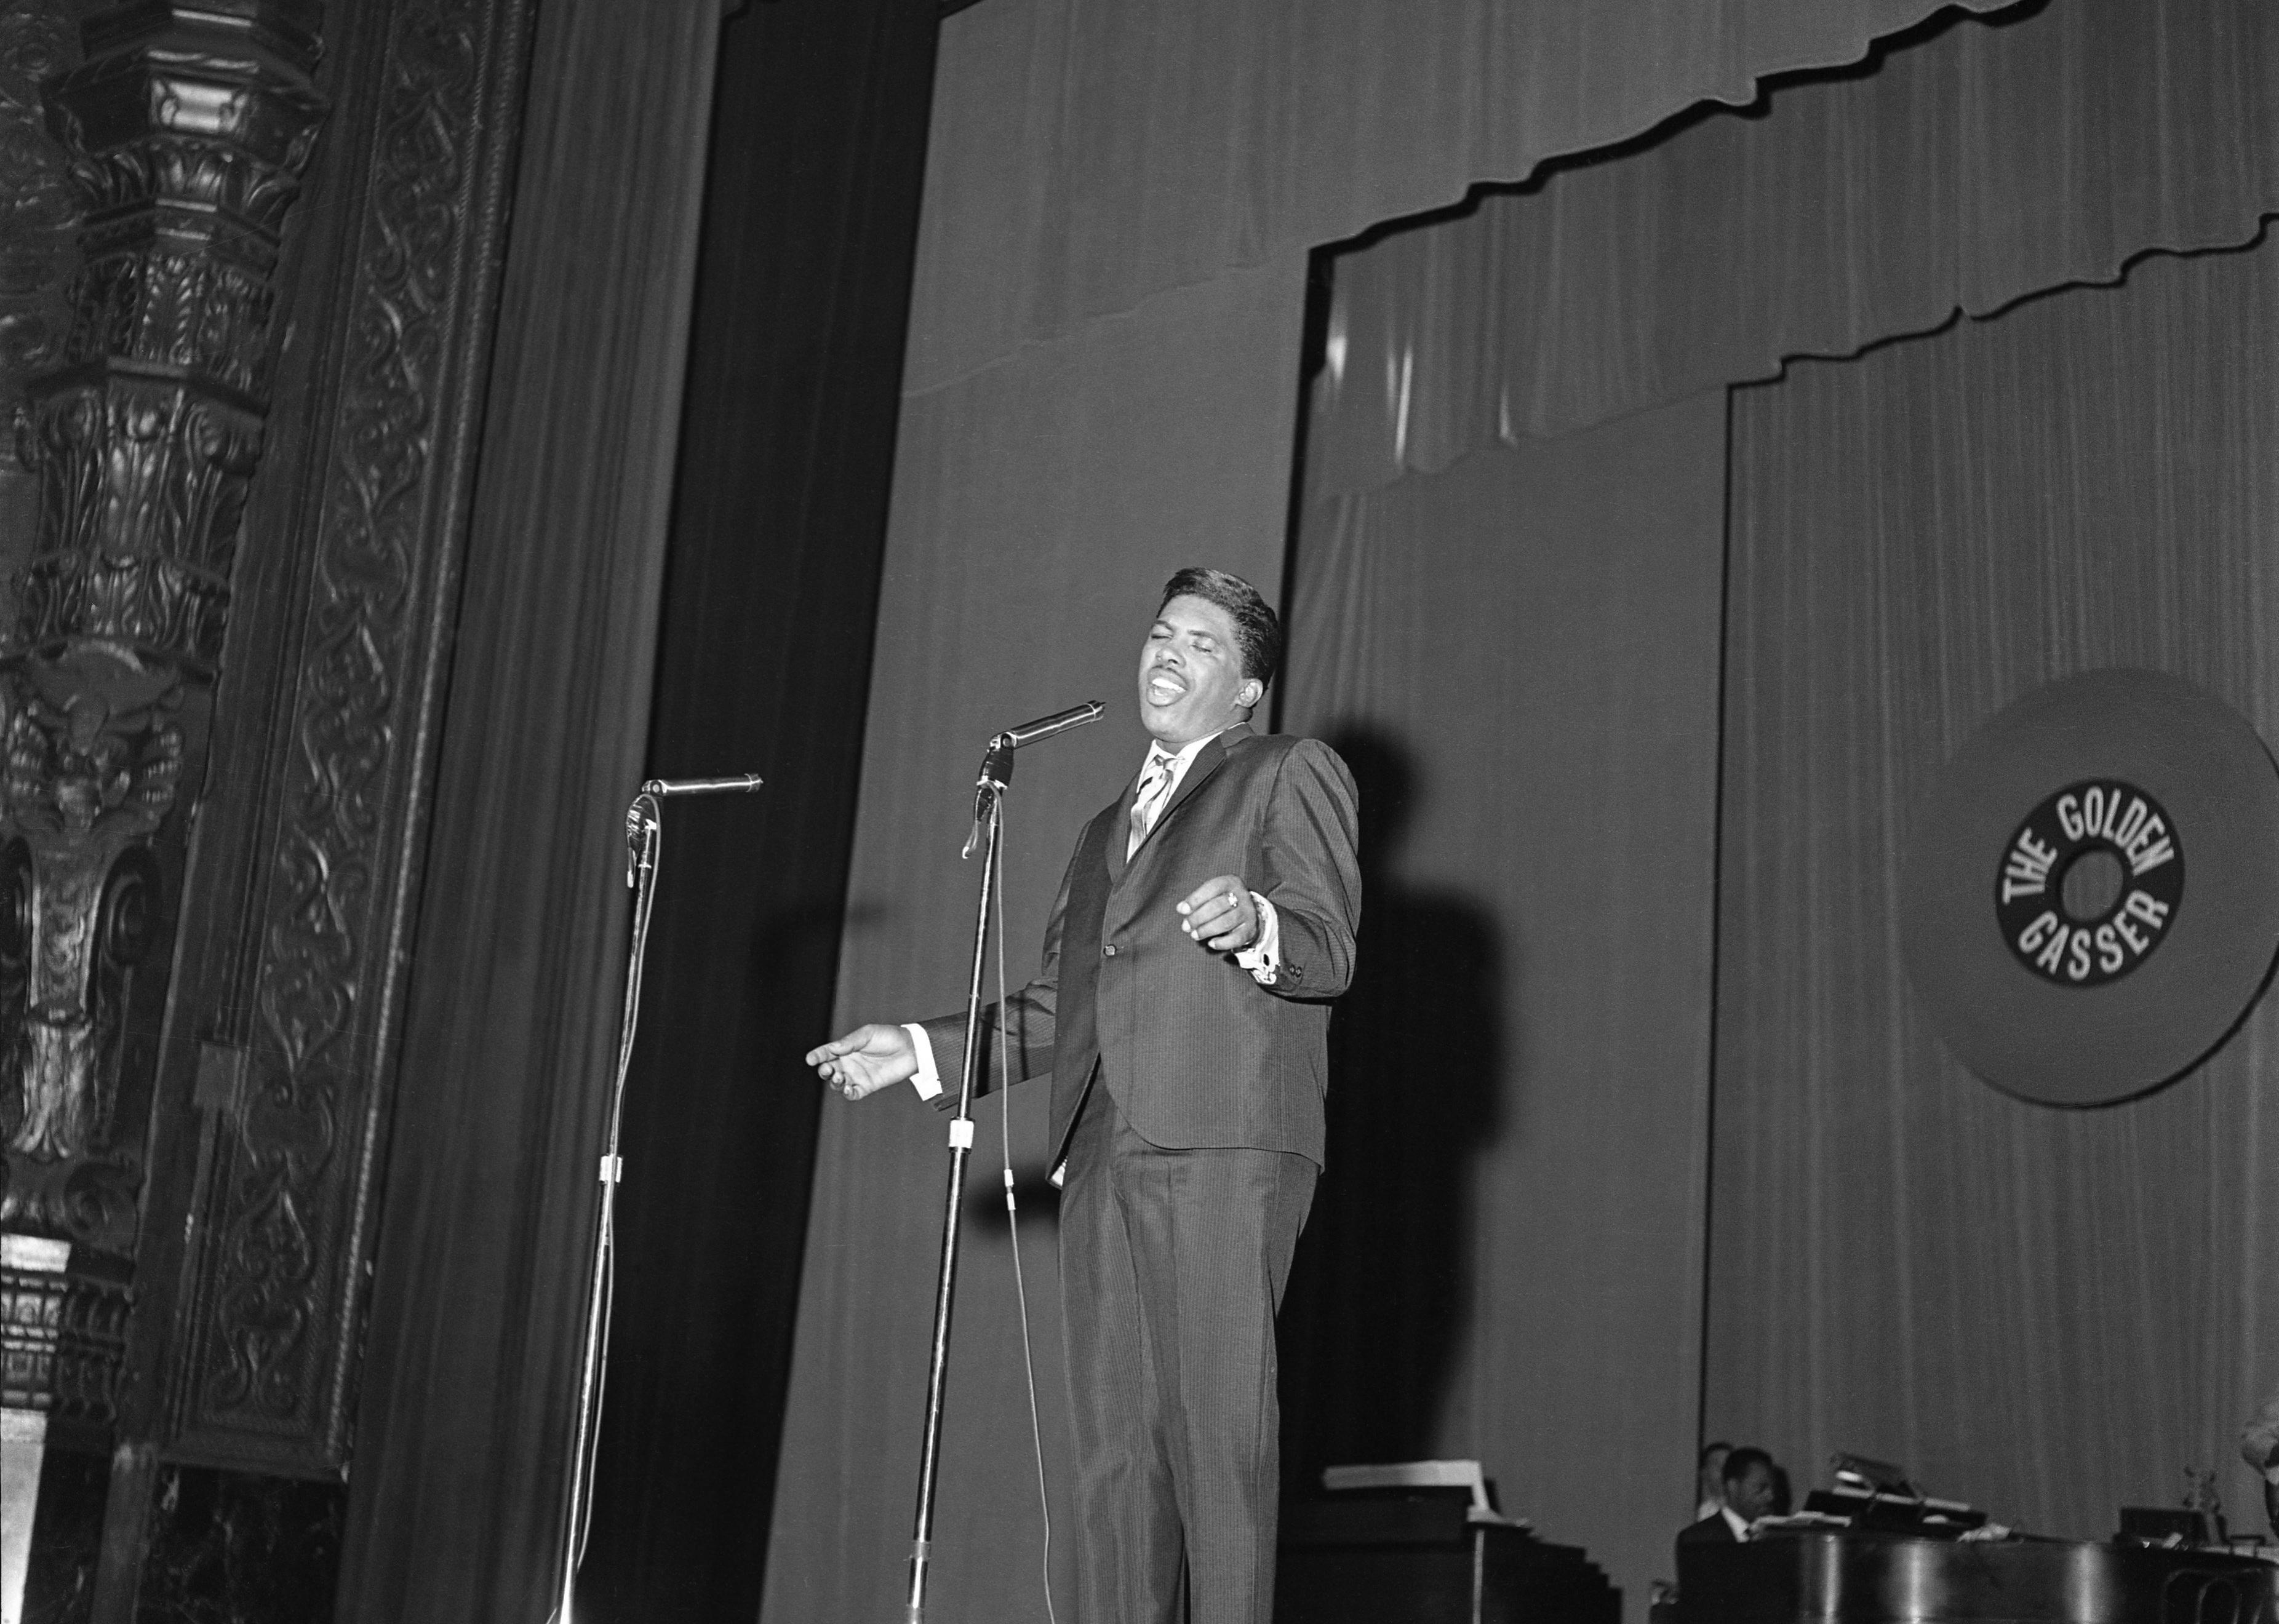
1187 1103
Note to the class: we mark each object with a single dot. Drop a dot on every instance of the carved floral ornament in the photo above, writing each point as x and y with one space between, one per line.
142 490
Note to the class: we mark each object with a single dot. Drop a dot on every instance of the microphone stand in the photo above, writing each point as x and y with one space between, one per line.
644 834
988 824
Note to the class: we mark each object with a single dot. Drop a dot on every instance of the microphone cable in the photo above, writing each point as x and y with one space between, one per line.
1013 1219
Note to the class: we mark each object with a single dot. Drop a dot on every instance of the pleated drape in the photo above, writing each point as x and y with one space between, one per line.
1088 156
512 997
1968 170
1977 167
2050 1312
771 594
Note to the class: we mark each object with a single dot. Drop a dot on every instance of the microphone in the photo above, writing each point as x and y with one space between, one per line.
641 823
997 762
1044 727
700 787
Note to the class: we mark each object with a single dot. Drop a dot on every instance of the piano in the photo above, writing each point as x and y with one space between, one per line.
1862 1576
1425 1560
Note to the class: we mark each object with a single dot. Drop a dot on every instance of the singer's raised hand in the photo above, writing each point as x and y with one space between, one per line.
868 1059
1219 914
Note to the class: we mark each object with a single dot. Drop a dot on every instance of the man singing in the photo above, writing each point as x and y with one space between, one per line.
1205 920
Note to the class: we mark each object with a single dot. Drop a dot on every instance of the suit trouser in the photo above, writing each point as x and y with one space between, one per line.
1172 1264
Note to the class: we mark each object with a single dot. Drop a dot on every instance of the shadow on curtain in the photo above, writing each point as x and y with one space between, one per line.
1503 1262
1386 1279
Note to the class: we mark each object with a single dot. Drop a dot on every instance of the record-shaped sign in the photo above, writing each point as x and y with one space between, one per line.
2091 897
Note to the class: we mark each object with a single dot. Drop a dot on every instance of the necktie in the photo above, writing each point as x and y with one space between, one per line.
1147 800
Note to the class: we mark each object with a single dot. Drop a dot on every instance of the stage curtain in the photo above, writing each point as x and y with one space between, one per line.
1989 161
771 596
1103 385
1087 156
2049 1312
514 984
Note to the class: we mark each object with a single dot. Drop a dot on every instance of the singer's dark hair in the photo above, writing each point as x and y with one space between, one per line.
1257 631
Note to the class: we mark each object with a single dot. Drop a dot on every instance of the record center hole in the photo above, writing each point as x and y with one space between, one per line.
2092 885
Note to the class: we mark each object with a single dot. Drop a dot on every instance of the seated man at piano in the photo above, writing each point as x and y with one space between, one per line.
1751 1486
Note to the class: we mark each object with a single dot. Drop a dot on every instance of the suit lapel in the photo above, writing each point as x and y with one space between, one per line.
1119 835
1207 761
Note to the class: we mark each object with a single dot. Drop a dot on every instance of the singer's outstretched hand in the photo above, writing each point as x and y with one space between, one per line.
868 1059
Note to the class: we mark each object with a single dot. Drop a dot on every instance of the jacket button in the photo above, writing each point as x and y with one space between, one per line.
1108 951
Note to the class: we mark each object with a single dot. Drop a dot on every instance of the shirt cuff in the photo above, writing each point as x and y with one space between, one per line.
1263 957
927 1080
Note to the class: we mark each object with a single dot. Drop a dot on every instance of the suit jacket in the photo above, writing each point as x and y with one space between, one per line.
1194 1050
1711 1530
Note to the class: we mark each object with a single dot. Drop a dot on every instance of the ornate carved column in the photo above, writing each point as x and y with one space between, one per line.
186 129
38 219
211 879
